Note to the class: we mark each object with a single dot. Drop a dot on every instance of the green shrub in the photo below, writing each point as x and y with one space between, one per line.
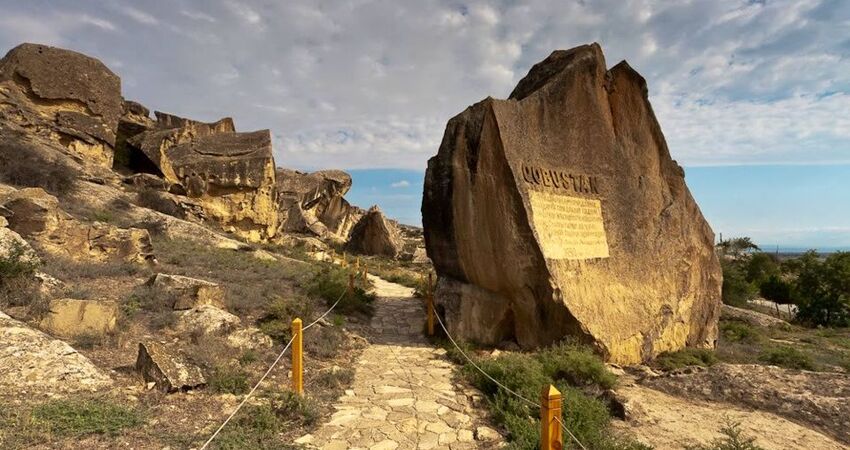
228 380
733 439
822 289
255 427
331 282
736 289
82 417
760 267
18 262
335 379
776 289
789 357
737 331
323 342
686 357
277 322
576 364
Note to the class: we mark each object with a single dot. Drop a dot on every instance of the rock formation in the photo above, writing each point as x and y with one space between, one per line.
68 317
374 234
180 292
559 212
313 202
169 371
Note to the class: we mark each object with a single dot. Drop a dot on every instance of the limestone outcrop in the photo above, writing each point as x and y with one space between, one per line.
232 175
36 216
182 293
313 202
31 361
68 317
167 369
374 234
560 213
65 96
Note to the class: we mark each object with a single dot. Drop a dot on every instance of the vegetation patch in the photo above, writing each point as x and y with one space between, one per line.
83 417
331 283
733 439
258 426
686 357
228 380
788 357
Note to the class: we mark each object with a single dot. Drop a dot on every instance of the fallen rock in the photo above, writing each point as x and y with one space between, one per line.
819 399
751 317
559 212
184 292
250 338
36 216
31 361
374 234
168 371
70 97
207 320
315 197
68 317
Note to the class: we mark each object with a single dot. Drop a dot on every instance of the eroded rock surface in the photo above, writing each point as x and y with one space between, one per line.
31 361
181 292
167 369
559 212
374 234
68 317
817 399
314 203
751 317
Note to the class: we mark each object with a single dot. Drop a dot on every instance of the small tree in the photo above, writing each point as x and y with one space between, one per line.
736 290
760 267
738 246
822 289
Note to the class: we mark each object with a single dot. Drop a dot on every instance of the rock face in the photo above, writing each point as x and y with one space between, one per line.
31 361
36 216
70 317
313 202
375 235
571 182
751 317
168 371
69 97
185 292
230 174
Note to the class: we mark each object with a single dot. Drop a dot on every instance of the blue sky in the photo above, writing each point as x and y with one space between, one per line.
370 84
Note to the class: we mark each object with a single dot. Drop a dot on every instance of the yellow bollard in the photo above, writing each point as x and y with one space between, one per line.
365 273
297 358
344 260
350 284
551 436
357 264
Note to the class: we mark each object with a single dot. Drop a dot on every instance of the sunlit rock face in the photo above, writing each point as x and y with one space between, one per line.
314 203
65 96
559 213
232 175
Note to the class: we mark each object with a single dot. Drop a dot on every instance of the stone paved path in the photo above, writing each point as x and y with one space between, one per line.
403 395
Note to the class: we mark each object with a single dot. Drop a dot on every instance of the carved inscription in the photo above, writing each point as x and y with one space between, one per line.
568 227
560 179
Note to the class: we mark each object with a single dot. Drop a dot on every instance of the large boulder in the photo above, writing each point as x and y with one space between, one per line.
36 216
69 97
314 202
230 174
571 184
182 293
68 317
167 369
374 234
31 361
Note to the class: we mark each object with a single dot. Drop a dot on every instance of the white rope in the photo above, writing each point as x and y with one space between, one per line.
249 394
267 373
500 384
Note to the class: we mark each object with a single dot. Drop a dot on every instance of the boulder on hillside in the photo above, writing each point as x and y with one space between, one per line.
751 317
169 371
185 292
33 362
68 317
559 212
207 320
36 216
72 98
314 203
230 174
374 234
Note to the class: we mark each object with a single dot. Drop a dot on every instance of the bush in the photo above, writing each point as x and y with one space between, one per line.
822 289
82 417
733 439
228 380
776 289
255 427
335 379
686 357
331 283
18 287
277 323
576 364
18 262
789 357
736 289
737 331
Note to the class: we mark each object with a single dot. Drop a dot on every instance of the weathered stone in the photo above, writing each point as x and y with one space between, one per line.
751 317
70 317
315 197
135 120
559 212
168 371
31 361
72 96
250 338
36 216
184 292
207 320
486 434
167 121
374 234
231 174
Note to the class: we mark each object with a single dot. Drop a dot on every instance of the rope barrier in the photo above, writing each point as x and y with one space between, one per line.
507 389
277 360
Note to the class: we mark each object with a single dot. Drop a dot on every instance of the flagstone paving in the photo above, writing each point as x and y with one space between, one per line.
403 395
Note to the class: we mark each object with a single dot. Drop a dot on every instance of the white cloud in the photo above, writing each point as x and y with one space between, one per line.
139 15
400 184
198 15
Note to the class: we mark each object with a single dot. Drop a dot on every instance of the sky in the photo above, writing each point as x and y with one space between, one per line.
748 92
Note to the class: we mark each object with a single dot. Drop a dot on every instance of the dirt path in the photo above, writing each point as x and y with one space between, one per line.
403 395
668 422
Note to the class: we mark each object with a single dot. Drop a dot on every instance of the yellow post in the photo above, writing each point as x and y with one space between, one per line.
297 358
357 263
344 260
365 273
430 298
350 283
551 437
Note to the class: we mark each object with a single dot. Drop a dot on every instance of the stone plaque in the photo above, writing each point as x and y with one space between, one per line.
568 227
